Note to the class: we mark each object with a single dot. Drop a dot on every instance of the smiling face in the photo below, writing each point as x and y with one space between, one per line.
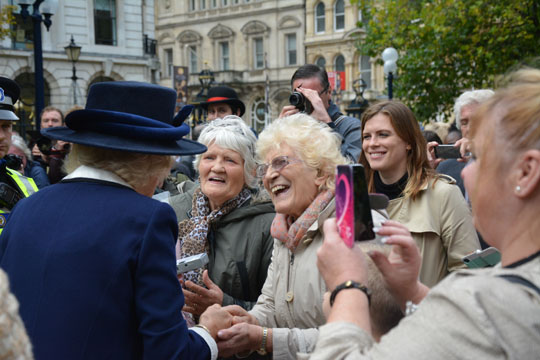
294 187
384 150
221 174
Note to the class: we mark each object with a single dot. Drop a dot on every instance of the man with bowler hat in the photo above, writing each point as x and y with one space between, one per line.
13 185
223 101
96 278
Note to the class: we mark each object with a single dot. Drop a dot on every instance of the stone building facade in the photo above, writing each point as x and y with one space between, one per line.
116 39
253 46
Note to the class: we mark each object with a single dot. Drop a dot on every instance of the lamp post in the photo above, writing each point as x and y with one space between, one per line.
390 56
73 52
206 78
48 9
359 104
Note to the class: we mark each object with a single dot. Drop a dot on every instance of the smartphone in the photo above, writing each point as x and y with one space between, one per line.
482 258
447 152
353 211
191 263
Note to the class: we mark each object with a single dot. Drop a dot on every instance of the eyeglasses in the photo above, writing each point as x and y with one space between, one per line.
277 163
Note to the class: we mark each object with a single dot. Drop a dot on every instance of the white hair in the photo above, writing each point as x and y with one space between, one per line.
232 133
18 142
468 98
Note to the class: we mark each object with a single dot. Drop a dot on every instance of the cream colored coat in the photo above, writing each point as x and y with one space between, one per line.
292 296
440 222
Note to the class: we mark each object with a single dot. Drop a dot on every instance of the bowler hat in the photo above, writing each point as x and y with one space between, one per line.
224 94
130 116
9 94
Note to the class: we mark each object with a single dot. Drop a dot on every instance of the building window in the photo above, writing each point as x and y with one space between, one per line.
168 63
258 60
224 3
259 114
320 62
105 22
339 63
192 5
214 3
339 15
291 49
192 59
319 18
224 55
365 70
202 4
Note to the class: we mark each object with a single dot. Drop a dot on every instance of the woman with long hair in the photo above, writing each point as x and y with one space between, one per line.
428 204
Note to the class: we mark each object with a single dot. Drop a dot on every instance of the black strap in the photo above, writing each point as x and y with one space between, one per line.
519 280
336 116
7 107
244 279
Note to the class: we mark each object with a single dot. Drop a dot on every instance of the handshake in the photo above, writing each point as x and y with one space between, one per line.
235 330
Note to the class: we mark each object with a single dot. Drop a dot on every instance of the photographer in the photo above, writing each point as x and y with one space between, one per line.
312 95
20 158
50 154
13 185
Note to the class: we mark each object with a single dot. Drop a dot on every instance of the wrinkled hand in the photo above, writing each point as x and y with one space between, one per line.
338 263
464 145
240 315
215 318
288 110
239 338
198 299
319 110
433 160
401 268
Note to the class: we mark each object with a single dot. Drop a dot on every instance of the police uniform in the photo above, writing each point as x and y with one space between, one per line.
13 185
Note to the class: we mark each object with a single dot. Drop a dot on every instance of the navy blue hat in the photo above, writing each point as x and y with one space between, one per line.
9 94
224 94
130 116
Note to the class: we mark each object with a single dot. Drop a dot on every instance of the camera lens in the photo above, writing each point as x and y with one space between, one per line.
297 99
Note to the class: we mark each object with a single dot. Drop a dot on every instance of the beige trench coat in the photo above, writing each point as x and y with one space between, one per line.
440 222
292 296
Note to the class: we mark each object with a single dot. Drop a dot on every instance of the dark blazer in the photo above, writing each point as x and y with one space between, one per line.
92 264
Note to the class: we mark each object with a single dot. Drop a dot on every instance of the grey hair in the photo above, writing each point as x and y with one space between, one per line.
18 142
232 133
468 98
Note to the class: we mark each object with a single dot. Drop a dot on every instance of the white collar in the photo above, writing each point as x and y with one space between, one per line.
90 172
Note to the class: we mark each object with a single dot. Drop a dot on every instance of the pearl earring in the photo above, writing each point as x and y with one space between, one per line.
518 188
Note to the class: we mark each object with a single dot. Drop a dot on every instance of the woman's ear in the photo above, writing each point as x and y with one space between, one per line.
527 173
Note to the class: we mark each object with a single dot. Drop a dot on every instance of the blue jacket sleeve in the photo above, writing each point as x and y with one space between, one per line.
36 172
158 295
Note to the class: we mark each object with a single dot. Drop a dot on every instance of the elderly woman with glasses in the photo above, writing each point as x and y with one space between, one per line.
300 156
223 216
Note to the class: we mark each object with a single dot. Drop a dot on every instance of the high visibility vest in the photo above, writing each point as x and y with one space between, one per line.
26 186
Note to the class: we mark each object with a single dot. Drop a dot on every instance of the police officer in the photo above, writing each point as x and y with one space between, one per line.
13 185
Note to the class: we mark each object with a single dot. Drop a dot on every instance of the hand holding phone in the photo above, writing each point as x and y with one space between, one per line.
353 211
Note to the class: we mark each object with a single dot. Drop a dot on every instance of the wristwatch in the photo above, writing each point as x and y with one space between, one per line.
262 350
349 284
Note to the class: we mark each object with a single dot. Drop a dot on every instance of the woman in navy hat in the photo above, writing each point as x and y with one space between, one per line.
96 277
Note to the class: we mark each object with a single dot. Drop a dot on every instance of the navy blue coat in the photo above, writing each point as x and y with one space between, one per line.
92 264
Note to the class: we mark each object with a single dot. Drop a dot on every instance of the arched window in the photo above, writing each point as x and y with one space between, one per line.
320 62
319 18
339 15
339 63
365 70
258 114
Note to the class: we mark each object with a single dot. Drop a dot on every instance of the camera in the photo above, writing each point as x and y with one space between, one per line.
299 101
13 161
46 147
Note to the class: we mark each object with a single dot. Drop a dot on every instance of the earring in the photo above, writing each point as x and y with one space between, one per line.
518 188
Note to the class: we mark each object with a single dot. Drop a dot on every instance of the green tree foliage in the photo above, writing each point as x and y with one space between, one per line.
447 46
6 20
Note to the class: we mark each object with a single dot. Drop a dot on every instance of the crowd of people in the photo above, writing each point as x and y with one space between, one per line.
99 276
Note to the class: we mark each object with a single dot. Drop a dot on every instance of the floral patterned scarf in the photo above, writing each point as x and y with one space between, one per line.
290 231
193 232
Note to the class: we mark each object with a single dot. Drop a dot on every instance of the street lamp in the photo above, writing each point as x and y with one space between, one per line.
390 56
73 52
206 78
359 104
48 9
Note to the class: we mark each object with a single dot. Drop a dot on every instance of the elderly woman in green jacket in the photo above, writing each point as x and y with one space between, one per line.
223 217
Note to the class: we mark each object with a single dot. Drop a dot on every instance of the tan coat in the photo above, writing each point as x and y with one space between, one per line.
292 296
440 222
